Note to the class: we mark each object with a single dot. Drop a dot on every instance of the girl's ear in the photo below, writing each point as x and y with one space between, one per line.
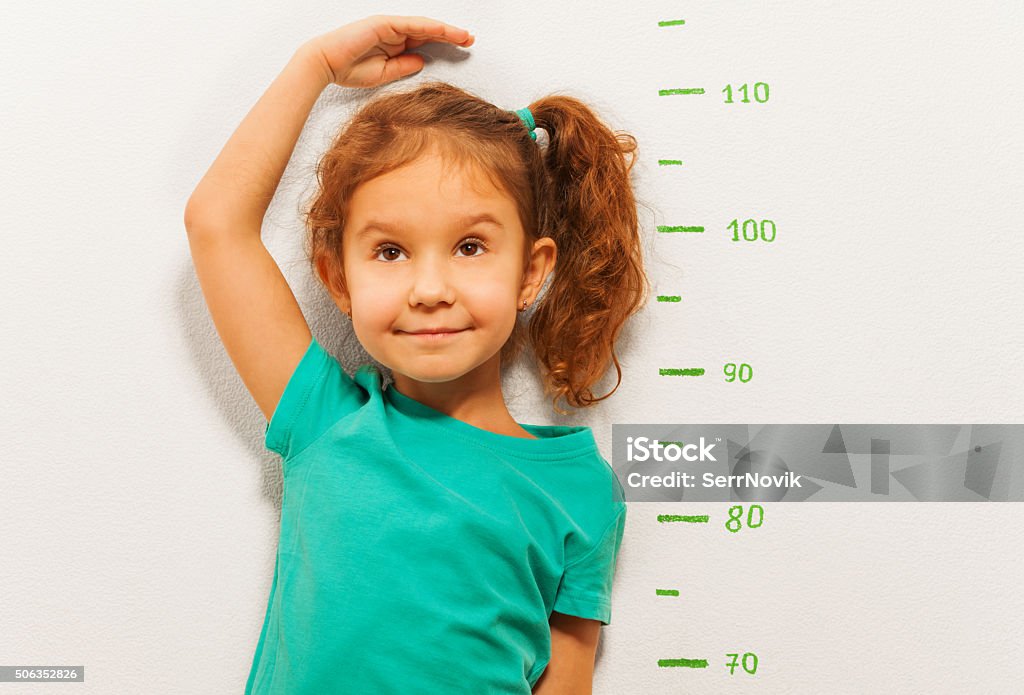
541 262
333 282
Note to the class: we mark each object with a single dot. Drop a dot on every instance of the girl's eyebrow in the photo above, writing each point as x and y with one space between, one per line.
462 223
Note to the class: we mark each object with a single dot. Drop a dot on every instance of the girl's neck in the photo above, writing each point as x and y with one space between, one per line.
474 399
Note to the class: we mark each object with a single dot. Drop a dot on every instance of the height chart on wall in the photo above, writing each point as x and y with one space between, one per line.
825 481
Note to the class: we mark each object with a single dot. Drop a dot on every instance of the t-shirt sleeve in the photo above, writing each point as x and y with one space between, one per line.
586 587
318 394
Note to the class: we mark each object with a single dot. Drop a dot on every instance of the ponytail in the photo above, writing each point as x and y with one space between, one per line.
598 280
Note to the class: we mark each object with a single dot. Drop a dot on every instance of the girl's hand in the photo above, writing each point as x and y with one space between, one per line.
371 52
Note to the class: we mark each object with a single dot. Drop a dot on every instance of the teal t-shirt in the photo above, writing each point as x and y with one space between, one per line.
419 553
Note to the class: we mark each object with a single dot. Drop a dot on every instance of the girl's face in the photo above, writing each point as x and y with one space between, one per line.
425 249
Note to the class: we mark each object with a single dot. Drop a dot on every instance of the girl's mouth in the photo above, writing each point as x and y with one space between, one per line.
436 337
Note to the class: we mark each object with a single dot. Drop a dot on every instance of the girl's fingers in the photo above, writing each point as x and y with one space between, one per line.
351 53
416 43
401 66
428 29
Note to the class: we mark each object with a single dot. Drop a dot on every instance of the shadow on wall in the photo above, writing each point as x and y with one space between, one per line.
220 379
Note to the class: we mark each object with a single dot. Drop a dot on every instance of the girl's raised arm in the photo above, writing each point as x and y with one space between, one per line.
253 308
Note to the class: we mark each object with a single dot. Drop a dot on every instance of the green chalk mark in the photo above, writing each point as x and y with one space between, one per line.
690 90
667 592
668 162
688 518
668 228
663 442
671 22
668 371
688 663
669 298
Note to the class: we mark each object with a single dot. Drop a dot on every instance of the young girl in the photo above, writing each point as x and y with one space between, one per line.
429 543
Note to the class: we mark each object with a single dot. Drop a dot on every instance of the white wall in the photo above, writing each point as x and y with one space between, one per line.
139 509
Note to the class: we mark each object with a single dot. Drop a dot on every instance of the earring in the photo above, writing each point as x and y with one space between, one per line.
524 306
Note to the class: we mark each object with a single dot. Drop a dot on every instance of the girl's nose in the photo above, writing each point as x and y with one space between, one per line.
431 283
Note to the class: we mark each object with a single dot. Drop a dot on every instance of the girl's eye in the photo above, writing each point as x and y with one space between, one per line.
384 248
473 245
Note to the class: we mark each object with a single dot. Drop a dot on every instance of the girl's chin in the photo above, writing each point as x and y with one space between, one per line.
436 370
431 377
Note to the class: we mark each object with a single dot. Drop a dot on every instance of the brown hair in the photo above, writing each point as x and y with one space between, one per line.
576 190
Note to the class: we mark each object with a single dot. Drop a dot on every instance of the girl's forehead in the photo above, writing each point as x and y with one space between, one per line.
392 225
402 199
433 176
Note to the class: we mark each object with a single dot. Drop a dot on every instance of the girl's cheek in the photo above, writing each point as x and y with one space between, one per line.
382 305
495 289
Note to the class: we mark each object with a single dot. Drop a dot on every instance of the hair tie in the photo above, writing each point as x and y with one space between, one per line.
527 118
